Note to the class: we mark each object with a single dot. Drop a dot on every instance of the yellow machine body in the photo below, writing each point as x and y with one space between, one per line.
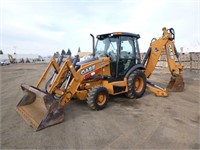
96 79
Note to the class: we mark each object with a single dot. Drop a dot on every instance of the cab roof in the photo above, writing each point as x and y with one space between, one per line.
116 34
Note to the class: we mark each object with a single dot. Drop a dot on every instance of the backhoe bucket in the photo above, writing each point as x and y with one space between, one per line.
176 84
39 109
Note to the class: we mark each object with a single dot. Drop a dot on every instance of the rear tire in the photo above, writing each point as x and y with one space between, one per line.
136 84
97 98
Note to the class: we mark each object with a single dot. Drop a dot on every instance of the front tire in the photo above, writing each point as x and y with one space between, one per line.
136 84
97 98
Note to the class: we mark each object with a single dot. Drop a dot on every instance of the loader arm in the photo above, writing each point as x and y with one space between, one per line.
42 109
83 73
157 46
78 76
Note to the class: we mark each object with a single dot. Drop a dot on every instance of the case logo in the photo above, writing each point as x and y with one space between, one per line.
91 68
171 55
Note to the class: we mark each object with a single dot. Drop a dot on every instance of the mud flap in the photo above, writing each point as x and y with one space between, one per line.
39 109
176 84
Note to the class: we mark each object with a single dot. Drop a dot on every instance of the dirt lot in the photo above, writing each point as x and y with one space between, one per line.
147 123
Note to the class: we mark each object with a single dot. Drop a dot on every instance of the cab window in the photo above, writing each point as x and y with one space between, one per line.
128 53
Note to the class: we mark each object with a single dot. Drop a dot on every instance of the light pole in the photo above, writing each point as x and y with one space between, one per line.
15 52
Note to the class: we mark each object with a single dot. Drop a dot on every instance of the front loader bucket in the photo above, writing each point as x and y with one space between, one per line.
176 84
39 109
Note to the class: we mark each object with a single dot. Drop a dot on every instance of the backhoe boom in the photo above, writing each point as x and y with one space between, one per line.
157 46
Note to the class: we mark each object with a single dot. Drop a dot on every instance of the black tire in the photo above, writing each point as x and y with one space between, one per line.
136 84
97 98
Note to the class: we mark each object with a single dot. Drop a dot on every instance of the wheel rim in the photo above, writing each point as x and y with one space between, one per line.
101 99
139 84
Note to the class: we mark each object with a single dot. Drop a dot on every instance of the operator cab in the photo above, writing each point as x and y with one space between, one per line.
123 50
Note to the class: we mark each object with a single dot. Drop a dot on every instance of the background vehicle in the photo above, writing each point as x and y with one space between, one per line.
115 68
5 62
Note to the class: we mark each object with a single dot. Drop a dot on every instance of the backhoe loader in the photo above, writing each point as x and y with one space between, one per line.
115 68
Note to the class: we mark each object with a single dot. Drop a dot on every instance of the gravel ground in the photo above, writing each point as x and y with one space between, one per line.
147 123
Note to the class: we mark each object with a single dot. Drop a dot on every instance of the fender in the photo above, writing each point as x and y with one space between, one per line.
138 66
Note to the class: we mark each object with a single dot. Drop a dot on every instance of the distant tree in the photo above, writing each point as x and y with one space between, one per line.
69 52
56 55
79 50
63 52
1 52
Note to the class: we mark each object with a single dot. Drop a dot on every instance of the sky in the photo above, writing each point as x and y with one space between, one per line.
46 26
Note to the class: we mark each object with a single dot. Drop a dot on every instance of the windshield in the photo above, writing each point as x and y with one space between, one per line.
106 47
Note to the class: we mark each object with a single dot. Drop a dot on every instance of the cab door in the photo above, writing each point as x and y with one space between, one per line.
128 54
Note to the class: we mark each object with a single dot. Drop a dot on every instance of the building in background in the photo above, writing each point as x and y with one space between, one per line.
21 58
84 55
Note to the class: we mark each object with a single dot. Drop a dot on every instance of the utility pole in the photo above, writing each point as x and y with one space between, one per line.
15 52
15 49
